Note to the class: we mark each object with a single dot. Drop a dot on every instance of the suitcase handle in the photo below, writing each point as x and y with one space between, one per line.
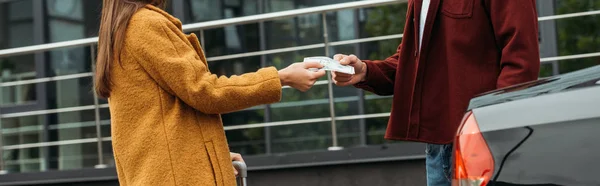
241 168
242 172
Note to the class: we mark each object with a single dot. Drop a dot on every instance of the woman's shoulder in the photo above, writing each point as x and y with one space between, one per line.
146 19
152 17
149 23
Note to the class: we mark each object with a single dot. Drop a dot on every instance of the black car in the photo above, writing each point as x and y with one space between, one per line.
545 132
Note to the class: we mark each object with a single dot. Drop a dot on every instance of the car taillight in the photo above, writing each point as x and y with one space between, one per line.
473 161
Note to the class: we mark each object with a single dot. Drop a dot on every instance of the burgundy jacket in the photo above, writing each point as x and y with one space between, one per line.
469 47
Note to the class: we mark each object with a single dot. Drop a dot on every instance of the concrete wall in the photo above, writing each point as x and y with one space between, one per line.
409 172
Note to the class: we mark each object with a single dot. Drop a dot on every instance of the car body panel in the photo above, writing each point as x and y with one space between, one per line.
589 77
545 132
553 108
559 153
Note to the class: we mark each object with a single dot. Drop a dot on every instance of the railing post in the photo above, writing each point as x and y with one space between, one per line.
101 164
362 123
2 170
334 139
202 40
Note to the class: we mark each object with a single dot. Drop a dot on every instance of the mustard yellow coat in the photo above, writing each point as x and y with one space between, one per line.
165 106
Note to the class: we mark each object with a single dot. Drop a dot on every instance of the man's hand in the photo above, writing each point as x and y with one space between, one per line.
299 76
360 69
236 157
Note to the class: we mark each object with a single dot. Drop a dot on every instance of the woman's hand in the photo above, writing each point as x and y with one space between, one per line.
299 76
236 157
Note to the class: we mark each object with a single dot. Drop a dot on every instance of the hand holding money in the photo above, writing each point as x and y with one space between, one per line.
330 65
344 79
299 77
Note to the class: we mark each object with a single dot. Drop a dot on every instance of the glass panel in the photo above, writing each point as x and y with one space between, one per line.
235 66
379 50
231 40
297 105
382 20
247 141
375 128
72 125
105 122
75 156
203 10
19 10
102 101
24 160
249 116
348 133
567 7
345 105
302 30
61 126
65 9
22 130
342 25
68 61
63 157
17 68
169 7
64 126
546 69
302 137
578 36
70 93
567 66
281 5
109 158
294 138
16 24
207 10
72 19
375 104
20 34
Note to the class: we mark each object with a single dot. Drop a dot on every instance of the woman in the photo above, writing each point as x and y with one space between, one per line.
165 103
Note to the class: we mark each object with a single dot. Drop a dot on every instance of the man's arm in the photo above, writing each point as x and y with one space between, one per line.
380 75
515 26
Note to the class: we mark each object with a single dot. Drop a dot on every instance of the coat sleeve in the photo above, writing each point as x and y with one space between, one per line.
176 67
516 30
381 75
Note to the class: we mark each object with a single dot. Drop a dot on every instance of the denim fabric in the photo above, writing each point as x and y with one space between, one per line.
438 164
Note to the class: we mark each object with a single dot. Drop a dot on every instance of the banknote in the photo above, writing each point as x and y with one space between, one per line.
330 64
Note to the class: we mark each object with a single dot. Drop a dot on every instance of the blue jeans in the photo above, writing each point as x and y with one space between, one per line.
438 164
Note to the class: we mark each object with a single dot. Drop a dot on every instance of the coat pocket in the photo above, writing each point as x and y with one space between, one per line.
214 161
458 9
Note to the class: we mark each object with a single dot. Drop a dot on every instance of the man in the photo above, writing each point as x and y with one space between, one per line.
451 51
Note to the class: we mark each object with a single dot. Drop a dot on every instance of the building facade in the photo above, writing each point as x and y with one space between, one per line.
51 121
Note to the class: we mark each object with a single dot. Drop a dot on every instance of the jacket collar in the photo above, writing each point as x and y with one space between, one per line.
174 20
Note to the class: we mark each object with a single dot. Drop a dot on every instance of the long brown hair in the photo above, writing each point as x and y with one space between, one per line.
113 24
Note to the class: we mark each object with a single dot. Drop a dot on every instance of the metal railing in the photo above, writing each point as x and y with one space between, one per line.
91 42
322 10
